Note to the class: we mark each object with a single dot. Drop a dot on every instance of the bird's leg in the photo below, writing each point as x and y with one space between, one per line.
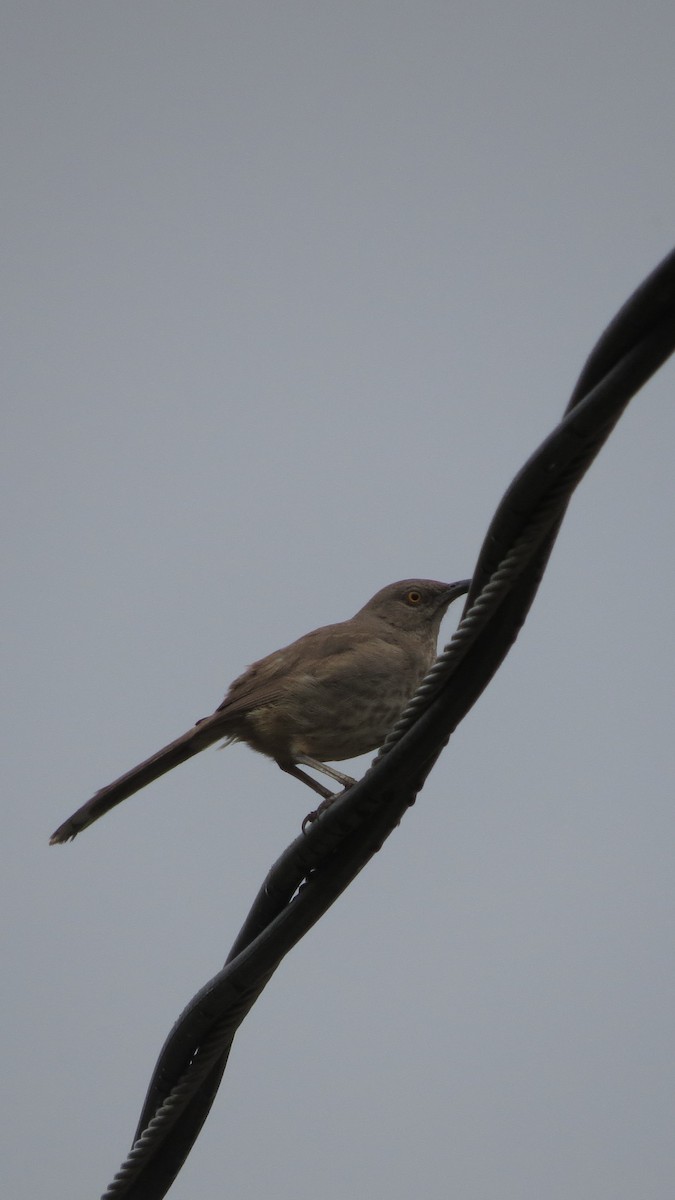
345 780
291 769
328 797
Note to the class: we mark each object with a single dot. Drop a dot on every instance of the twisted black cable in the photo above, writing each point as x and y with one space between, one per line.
317 867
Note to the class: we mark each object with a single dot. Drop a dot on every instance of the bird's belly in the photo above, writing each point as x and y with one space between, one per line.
327 732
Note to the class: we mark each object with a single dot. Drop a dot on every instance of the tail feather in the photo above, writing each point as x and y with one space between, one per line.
198 738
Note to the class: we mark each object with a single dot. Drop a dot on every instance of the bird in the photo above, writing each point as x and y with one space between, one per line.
333 694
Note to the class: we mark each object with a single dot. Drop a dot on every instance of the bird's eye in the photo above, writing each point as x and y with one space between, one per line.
414 597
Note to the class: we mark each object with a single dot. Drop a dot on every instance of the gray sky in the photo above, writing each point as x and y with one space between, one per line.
292 290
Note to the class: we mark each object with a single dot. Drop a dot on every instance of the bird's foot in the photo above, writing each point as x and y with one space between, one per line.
324 806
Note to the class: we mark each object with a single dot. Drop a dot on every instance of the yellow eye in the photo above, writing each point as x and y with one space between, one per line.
414 597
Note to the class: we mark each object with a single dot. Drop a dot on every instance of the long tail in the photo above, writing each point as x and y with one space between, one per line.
203 734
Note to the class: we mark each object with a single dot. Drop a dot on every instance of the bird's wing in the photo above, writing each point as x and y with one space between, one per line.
269 679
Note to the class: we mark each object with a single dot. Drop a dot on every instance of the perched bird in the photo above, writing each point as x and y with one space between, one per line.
333 694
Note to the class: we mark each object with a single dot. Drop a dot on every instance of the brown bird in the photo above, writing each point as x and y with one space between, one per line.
333 694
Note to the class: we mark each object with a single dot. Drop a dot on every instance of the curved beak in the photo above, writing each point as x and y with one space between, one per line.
454 590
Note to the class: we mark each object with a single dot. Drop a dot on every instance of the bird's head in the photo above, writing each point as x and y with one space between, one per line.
415 605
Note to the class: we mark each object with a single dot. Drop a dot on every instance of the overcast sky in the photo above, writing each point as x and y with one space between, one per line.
292 290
